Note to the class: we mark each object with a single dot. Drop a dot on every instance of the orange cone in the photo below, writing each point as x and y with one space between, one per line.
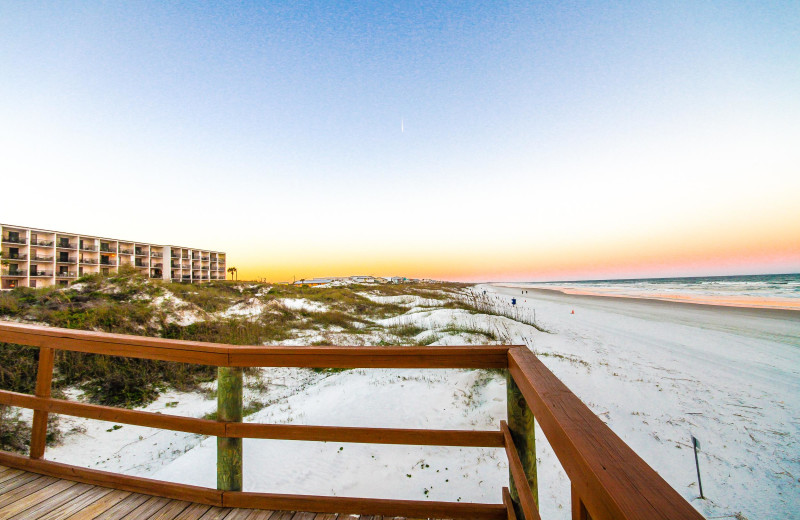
573 311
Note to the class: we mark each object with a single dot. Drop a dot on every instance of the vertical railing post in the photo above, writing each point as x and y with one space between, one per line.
521 425
44 379
229 409
579 511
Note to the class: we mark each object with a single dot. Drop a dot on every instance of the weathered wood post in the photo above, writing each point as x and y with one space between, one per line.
521 424
229 409
44 378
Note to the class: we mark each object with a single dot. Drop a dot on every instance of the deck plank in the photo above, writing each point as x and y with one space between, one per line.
216 513
193 512
16 481
53 502
24 490
35 498
302 515
77 503
100 506
282 515
123 507
171 510
9 474
30 496
147 509
240 514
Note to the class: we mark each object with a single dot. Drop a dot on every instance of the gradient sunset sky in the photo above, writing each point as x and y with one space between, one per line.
451 140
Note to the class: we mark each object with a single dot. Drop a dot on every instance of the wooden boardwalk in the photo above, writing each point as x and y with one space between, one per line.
30 496
608 480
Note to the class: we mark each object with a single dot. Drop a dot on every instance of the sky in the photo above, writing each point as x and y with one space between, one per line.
472 141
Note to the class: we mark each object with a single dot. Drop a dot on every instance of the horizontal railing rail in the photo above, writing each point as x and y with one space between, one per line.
609 481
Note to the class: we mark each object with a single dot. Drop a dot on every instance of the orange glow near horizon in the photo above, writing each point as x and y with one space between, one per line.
601 242
711 251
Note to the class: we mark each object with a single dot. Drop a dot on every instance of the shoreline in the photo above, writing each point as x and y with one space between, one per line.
761 312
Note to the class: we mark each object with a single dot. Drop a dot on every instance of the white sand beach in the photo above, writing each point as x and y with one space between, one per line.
656 372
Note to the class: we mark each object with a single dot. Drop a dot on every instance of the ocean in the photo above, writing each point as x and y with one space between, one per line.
763 290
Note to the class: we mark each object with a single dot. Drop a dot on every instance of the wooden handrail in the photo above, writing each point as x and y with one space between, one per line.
221 355
609 481
612 481
527 501
510 513
419 437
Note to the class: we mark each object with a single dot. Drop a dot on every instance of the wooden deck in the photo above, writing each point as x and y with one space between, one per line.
30 496
608 480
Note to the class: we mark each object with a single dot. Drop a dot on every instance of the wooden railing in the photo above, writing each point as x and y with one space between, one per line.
609 481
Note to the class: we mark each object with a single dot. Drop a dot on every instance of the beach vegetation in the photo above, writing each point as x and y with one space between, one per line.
129 303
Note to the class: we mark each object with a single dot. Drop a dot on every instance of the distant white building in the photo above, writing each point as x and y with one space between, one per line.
363 279
398 279
314 281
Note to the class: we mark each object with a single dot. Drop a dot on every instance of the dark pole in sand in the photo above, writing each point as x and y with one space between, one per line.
696 445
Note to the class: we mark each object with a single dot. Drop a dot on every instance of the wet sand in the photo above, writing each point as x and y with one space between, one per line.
781 325
740 308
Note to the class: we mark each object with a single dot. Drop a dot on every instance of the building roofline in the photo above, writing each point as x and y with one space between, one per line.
106 238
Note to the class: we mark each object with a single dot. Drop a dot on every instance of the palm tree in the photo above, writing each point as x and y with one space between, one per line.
233 271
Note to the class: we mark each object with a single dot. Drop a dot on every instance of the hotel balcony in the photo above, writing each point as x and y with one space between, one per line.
40 253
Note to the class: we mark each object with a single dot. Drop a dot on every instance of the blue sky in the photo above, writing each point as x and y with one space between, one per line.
534 133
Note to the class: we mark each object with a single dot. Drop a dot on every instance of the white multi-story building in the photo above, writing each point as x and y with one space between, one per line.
40 258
